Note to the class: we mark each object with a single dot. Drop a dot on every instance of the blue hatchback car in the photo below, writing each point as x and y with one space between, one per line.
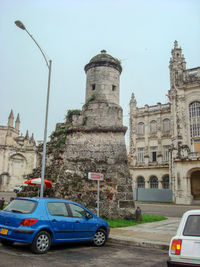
41 222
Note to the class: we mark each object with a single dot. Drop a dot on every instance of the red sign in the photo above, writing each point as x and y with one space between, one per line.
95 176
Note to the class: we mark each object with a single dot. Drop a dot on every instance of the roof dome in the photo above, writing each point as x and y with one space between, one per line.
104 59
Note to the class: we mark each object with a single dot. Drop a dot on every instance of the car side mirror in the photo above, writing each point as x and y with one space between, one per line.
88 216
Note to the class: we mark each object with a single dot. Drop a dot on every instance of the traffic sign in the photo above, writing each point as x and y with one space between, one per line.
95 176
98 177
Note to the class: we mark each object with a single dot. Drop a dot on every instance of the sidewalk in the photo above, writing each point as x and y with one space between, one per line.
154 235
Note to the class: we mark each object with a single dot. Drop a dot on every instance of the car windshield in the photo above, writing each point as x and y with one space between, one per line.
21 206
192 226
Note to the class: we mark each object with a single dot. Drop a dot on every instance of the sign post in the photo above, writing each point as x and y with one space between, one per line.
97 177
98 198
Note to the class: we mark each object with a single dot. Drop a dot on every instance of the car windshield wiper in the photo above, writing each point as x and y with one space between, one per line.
18 211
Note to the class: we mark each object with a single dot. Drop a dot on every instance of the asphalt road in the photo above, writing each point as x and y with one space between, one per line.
83 255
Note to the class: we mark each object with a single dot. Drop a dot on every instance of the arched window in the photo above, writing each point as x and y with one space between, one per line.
166 125
140 182
153 182
166 182
153 127
140 128
194 111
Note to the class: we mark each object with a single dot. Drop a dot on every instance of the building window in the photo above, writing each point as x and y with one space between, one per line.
166 125
196 145
166 153
114 87
140 128
93 87
140 154
140 182
153 127
153 182
166 182
153 153
194 112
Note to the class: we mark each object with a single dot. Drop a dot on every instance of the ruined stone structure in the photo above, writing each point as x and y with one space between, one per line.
18 154
92 140
165 138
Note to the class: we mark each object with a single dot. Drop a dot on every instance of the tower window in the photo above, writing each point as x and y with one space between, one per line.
114 87
93 87
194 111
166 182
153 182
140 128
140 182
153 154
166 125
165 153
153 127
140 156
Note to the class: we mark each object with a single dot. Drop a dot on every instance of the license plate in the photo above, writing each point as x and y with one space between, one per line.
4 231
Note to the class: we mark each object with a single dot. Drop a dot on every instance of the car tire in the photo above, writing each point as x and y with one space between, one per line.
41 243
6 242
100 238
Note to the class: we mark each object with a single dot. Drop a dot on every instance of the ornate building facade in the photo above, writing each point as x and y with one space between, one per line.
18 156
165 138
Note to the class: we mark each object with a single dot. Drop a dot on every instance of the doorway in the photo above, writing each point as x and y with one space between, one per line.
195 185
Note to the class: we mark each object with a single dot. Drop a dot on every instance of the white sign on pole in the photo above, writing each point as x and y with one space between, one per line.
96 177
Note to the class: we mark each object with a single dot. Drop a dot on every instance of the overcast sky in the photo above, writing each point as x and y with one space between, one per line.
141 33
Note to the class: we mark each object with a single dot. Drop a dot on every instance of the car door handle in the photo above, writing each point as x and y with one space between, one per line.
54 220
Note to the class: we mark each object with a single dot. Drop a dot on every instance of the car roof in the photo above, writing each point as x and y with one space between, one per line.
192 212
47 199
184 219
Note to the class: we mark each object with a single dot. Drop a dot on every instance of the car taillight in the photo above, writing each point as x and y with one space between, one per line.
176 247
28 222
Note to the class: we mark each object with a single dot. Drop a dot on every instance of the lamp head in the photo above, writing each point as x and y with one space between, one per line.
20 24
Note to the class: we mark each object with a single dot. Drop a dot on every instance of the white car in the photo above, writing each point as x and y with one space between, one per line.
18 188
184 248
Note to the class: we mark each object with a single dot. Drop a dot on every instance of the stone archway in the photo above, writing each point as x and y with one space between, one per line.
195 185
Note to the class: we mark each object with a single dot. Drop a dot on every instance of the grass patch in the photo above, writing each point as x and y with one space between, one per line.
115 223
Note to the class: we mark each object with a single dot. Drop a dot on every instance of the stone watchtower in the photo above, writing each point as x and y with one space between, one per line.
102 92
103 76
95 143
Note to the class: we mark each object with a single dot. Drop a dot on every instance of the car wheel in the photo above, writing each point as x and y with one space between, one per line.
41 243
100 238
6 242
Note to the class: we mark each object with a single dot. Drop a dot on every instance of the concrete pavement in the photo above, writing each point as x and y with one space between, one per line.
153 235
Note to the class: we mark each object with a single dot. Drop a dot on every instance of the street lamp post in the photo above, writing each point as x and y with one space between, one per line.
48 63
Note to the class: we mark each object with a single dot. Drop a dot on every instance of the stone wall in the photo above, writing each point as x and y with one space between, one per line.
102 152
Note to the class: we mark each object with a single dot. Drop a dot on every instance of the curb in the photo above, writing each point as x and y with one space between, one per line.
137 243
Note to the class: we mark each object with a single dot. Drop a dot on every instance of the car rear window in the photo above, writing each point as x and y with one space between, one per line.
192 226
21 206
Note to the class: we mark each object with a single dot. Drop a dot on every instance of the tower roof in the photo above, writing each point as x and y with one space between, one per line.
18 119
104 59
11 115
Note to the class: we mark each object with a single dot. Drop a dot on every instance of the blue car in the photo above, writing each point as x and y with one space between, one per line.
41 222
